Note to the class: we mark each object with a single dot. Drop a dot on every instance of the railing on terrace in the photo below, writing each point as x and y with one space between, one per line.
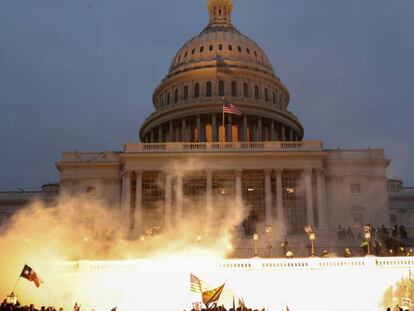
307 146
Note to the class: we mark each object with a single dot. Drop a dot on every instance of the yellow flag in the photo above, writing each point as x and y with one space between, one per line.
213 295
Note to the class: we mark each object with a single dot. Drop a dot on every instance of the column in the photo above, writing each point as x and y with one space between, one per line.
198 129
259 129
152 136
322 210
268 197
254 132
272 130
244 137
168 200
179 207
209 197
214 128
309 197
160 138
277 136
183 130
239 198
282 133
126 200
138 200
171 132
279 195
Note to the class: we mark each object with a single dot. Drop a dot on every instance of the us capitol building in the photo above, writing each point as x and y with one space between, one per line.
259 158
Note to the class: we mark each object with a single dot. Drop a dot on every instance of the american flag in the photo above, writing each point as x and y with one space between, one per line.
230 108
195 284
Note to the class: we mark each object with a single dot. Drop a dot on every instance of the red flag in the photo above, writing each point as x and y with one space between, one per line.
29 274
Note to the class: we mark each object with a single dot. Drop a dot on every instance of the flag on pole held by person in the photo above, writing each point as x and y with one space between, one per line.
229 108
195 284
29 274
213 295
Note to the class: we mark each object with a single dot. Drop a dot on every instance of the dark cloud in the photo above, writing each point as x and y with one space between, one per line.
79 74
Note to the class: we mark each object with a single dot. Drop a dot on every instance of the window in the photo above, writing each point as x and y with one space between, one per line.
210 47
192 51
274 98
266 91
186 53
91 191
255 53
201 49
230 47
168 98
220 47
239 49
248 50
256 92
234 89
356 188
196 90
176 96
221 88
186 92
208 89
245 90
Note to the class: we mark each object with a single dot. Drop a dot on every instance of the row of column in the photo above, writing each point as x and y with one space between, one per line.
130 212
285 133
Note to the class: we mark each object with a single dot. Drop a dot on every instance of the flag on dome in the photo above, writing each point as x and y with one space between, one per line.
229 108
29 274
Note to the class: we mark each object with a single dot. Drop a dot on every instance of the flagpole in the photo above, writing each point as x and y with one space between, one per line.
17 282
224 128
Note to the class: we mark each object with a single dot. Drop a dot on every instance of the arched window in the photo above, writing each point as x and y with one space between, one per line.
256 92
176 95
186 92
208 89
220 47
245 90
196 90
266 91
168 98
274 98
221 88
248 50
193 51
234 89
230 47
210 47
239 49
201 49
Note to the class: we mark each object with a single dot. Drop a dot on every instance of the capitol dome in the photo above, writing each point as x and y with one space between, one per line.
221 65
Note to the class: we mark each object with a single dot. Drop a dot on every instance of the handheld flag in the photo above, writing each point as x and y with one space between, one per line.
195 284
229 108
212 295
29 274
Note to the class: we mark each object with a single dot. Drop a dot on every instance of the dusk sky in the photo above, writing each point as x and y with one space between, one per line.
79 74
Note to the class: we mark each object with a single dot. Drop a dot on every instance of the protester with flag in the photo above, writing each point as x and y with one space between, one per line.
212 296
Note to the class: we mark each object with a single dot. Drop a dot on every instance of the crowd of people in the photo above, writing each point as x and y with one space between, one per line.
8 306
377 233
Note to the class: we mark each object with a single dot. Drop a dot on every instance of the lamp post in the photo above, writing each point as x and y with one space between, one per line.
269 231
255 239
312 238
367 236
